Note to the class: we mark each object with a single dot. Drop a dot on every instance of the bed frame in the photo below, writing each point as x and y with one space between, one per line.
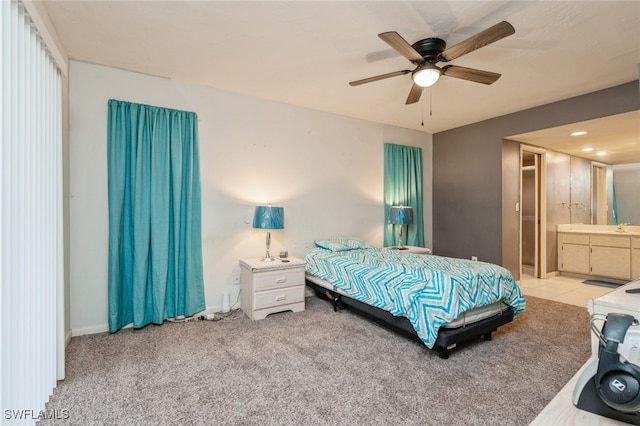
448 338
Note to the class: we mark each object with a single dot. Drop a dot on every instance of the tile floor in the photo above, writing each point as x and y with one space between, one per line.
561 289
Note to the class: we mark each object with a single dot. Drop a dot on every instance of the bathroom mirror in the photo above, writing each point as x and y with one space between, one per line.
625 200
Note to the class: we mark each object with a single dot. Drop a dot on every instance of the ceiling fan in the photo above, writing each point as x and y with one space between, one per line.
425 54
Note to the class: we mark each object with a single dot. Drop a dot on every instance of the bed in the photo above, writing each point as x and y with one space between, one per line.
436 300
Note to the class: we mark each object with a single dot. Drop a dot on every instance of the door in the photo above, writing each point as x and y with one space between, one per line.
531 219
598 193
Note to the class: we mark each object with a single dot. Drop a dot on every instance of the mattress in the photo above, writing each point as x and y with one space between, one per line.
467 317
430 291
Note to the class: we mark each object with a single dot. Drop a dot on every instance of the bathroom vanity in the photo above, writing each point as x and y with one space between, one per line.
607 251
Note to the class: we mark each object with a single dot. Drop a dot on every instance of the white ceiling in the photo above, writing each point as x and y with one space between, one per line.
611 140
305 52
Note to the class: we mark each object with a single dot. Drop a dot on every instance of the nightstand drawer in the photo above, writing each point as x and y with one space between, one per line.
283 296
278 279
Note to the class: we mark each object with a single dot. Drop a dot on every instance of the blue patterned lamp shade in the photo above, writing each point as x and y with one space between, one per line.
267 217
401 215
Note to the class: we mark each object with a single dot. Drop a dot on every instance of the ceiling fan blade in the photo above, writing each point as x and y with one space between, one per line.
483 38
378 77
471 74
414 94
396 41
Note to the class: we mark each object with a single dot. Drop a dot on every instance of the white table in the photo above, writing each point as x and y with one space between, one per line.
412 249
561 411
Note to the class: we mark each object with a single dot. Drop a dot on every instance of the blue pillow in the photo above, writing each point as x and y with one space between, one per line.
341 243
351 242
331 245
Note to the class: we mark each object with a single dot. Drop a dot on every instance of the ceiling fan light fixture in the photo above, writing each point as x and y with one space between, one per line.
426 75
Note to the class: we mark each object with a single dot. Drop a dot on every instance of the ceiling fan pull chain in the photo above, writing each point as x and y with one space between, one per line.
430 103
423 113
430 106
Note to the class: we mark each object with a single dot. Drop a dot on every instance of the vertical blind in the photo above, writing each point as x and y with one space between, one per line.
31 270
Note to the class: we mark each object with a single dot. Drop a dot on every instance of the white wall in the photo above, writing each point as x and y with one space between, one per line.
325 170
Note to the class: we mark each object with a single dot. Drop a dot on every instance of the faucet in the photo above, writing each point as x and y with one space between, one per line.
621 227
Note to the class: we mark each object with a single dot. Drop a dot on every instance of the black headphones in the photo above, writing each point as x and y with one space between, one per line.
617 381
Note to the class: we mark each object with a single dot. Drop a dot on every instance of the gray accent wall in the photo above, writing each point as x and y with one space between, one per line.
474 177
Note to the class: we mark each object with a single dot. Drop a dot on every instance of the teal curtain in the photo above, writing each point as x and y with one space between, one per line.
403 186
155 250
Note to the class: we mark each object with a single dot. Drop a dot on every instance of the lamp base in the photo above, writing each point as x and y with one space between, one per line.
267 257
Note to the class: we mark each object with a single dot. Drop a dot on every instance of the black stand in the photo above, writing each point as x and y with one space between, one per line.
591 402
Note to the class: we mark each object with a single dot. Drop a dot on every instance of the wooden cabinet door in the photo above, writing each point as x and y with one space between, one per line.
614 262
635 264
575 258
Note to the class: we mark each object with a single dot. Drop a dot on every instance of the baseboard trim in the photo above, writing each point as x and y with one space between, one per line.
104 328
75 332
593 277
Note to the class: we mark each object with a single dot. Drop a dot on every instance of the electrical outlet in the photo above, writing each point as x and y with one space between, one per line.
236 278
474 257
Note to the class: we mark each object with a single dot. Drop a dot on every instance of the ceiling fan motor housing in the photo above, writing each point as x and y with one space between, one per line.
430 48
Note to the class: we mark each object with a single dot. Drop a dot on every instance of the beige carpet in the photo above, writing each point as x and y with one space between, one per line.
318 367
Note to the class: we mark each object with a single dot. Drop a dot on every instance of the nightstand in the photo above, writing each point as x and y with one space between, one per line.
412 249
270 287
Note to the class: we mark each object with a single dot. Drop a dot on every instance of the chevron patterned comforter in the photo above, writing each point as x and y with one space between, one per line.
429 290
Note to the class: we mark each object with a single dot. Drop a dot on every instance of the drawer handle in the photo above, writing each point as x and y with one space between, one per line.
281 297
281 280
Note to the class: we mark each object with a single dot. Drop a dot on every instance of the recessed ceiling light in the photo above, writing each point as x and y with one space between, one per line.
587 149
580 133
601 153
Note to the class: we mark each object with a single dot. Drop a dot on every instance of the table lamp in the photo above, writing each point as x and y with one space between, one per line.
267 217
400 216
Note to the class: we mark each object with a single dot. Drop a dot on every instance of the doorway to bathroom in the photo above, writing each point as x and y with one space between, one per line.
598 193
532 196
